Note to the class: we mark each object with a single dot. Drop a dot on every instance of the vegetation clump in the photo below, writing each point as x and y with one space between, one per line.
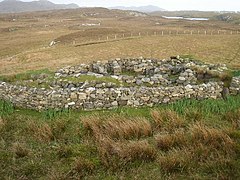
184 139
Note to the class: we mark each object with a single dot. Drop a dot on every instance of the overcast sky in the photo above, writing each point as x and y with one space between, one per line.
214 5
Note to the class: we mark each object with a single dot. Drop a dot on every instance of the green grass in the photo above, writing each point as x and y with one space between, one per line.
56 145
90 78
6 108
25 76
21 78
236 73
130 73
53 114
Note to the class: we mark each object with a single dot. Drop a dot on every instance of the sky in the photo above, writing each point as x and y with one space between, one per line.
206 5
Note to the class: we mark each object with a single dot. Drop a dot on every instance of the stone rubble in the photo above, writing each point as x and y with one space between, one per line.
142 82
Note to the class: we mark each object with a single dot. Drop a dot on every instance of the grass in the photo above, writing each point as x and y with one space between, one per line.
90 78
53 114
219 49
29 78
186 139
236 73
6 108
19 53
26 76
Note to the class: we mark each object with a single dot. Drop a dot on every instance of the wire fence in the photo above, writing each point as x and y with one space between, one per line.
117 37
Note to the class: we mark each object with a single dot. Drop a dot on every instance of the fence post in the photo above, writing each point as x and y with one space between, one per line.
198 32
162 33
205 32
107 38
115 36
139 34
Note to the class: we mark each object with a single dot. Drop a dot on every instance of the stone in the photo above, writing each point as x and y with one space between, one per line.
122 102
88 105
166 100
182 78
74 96
169 80
155 100
189 87
100 91
145 99
114 103
146 80
82 96
136 103
71 103
93 96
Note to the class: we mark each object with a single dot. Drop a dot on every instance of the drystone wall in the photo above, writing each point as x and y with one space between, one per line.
137 82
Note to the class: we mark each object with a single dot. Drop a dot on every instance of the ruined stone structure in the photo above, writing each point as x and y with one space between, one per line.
122 82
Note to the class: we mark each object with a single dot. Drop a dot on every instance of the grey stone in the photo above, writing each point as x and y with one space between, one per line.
182 78
114 103
71 103
82 96
122 102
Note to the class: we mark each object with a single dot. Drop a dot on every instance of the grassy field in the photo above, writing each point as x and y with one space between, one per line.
187 139
212 49
25 39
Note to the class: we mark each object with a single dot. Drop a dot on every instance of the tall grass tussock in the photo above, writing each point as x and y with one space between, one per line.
186 139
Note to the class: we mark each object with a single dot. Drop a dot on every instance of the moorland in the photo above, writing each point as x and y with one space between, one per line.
188 139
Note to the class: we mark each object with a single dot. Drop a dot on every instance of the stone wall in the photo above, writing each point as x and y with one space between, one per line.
103 96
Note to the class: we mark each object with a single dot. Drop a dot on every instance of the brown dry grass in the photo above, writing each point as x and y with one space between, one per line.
167 120
206 148
1 123
136 150
118 153
216 49
175 160
166 142
81 167
111 136
20 149
118 127
42 132
179 144
234 118
211 136
24 48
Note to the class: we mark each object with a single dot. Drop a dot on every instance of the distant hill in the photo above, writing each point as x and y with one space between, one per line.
145 9
15 6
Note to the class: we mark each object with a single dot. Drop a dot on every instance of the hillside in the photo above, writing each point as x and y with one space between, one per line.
15 6
145 9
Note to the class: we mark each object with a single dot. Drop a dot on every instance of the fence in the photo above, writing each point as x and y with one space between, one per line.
117 37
